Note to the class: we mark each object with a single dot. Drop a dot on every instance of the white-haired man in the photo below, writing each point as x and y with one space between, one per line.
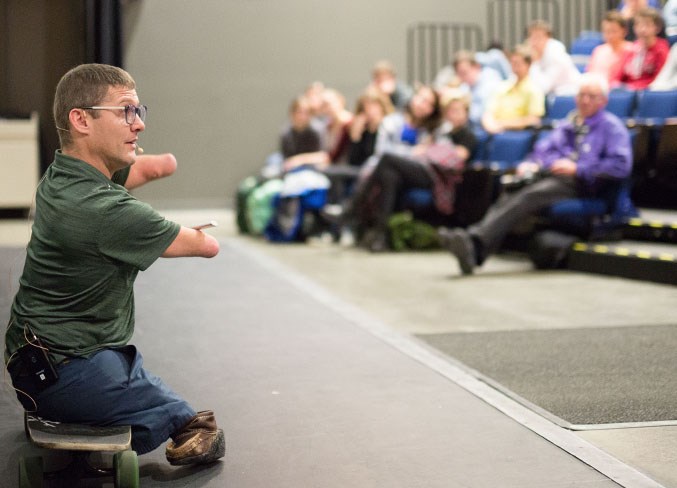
580 158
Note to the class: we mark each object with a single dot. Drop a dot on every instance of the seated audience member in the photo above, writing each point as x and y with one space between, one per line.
480 82
313 95
649 3
495 57
629 9
372 107
384 78
606 58
300 143
357 145
670 18
552 68
338 123
518 103
437 168
404 134
642 63
579 159
667 78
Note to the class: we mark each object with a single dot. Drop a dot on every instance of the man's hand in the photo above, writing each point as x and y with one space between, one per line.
527 167
564 167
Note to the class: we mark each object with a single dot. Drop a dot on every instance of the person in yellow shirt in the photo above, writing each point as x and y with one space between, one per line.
518 103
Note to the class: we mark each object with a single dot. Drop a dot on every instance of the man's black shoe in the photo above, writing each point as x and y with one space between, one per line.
459 243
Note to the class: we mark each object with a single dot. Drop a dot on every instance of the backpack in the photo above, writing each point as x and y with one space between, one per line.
303 193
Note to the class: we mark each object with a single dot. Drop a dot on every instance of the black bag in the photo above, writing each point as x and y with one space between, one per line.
549 249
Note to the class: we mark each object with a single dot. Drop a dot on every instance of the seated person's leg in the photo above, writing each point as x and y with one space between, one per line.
473 246
112 388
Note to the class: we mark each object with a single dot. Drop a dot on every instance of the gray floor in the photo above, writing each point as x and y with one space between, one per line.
607 375
307 355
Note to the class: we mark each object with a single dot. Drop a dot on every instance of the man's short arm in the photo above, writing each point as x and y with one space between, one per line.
192 243
150 167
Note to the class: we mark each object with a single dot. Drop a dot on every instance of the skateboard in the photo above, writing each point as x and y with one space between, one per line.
80 441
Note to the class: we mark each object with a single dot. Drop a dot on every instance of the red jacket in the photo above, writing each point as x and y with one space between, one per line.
636 73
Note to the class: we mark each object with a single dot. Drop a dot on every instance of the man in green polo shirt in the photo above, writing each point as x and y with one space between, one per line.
90 238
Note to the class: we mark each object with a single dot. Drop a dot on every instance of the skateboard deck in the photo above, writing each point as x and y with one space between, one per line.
80 441
72 437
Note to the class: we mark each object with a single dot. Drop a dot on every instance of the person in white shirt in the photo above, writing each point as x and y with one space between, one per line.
552 68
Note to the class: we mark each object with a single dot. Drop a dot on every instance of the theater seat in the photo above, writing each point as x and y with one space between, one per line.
621 103
507 149
593 218
558 108
473 197
653 107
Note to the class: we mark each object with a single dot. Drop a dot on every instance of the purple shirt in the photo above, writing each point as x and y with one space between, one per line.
601 148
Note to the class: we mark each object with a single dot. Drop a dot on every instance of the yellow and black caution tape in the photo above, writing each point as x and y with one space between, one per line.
622 251
655 224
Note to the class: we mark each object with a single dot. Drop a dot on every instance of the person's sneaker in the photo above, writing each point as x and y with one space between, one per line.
379 243
347 238
459 243
333 213
198 442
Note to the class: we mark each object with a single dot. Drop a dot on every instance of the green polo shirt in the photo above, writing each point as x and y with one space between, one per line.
89 240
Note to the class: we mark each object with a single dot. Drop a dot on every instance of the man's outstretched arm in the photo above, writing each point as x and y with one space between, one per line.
149 167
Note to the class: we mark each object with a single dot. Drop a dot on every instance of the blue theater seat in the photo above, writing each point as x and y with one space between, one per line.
593 218
653 107
506 150
559 107
621 103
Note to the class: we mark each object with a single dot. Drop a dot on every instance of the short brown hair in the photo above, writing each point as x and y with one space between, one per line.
650 14
84 86
374 95
616 17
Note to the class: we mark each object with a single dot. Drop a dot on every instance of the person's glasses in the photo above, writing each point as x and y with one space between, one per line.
588 96
131 111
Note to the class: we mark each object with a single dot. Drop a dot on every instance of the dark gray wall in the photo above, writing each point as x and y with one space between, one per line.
218 75
39 42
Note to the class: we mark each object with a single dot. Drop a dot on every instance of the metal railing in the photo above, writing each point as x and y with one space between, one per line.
507 20
431 45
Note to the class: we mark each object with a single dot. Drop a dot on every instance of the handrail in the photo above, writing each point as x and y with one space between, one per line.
431 45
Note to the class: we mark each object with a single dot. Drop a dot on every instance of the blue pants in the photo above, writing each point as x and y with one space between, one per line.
110 388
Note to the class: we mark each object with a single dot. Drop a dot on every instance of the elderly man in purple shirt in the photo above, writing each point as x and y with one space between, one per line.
591 150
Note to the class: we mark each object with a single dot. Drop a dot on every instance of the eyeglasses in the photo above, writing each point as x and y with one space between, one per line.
589 96
131 111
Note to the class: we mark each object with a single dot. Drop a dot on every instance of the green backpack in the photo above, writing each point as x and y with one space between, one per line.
259 208
407 233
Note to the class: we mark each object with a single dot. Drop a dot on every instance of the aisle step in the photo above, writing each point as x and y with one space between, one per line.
627 260
651 230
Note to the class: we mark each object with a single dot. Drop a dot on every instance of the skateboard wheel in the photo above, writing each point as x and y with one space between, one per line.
126 469
30 472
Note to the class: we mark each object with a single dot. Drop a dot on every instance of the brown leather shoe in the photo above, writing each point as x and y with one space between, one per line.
198 442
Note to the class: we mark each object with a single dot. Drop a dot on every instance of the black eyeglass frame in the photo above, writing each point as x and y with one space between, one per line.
141 111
